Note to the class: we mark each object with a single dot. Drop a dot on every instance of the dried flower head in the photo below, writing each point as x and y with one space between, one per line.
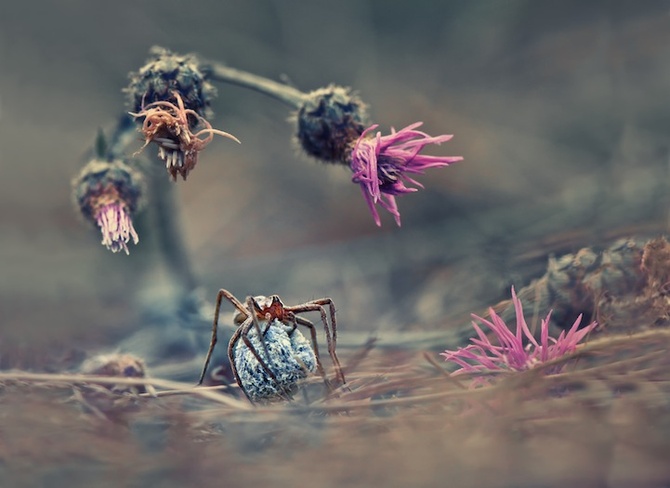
515 351
328 120
166 72
381 164
122 365
170 127
116 365
108 194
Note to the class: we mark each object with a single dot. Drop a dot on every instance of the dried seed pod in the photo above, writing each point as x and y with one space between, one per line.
116 365
165 73
329 121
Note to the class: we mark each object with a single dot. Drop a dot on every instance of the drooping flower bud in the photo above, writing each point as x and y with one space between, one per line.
166 73
331 124
171 99
108 194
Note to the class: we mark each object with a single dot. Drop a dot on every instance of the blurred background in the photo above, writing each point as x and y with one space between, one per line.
561 110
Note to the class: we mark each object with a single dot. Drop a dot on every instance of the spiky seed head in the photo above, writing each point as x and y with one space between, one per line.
330 120
166 73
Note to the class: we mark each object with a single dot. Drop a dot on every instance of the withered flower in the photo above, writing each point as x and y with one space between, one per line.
170 127
108 194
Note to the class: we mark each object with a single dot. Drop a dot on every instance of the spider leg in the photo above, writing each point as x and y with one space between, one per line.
318 306
294 322
267 327
315 346
331 310
231 357
215 325
251 307
236 303
333 323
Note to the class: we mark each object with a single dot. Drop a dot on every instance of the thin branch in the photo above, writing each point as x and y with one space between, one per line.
112 380
279 91
168 236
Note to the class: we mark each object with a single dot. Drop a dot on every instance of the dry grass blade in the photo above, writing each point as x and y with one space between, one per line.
107 380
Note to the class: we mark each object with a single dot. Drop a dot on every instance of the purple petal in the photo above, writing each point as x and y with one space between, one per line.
398 153
116 227
481 355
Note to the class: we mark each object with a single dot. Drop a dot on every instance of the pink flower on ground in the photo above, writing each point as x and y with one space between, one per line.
510 353
381 165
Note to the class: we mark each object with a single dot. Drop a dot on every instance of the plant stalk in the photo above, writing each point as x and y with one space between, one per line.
279 91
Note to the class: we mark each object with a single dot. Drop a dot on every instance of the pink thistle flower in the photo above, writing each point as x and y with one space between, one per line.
116 226
510 353
381 165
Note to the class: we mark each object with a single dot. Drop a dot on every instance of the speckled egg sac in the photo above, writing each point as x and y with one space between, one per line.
291 359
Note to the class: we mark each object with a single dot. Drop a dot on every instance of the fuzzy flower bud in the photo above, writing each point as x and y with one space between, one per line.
166 73
122 365
170 98
108 193
116 365
328 121
331 125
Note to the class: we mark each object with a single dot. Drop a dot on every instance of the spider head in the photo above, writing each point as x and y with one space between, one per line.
269 308
266 308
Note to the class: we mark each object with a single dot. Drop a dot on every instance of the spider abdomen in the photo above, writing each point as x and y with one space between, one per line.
289 356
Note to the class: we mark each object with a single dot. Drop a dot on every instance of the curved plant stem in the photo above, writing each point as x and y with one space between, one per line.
167 237
284 93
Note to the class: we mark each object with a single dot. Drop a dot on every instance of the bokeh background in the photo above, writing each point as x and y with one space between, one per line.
561 110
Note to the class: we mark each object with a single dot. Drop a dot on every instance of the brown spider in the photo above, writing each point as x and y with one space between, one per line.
168 126
269 309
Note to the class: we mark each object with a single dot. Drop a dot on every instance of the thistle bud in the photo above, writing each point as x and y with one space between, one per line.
122 365
329 122
166 73
116 365
171 99
108 194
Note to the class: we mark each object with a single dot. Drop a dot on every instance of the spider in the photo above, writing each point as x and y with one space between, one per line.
168 126
272 310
